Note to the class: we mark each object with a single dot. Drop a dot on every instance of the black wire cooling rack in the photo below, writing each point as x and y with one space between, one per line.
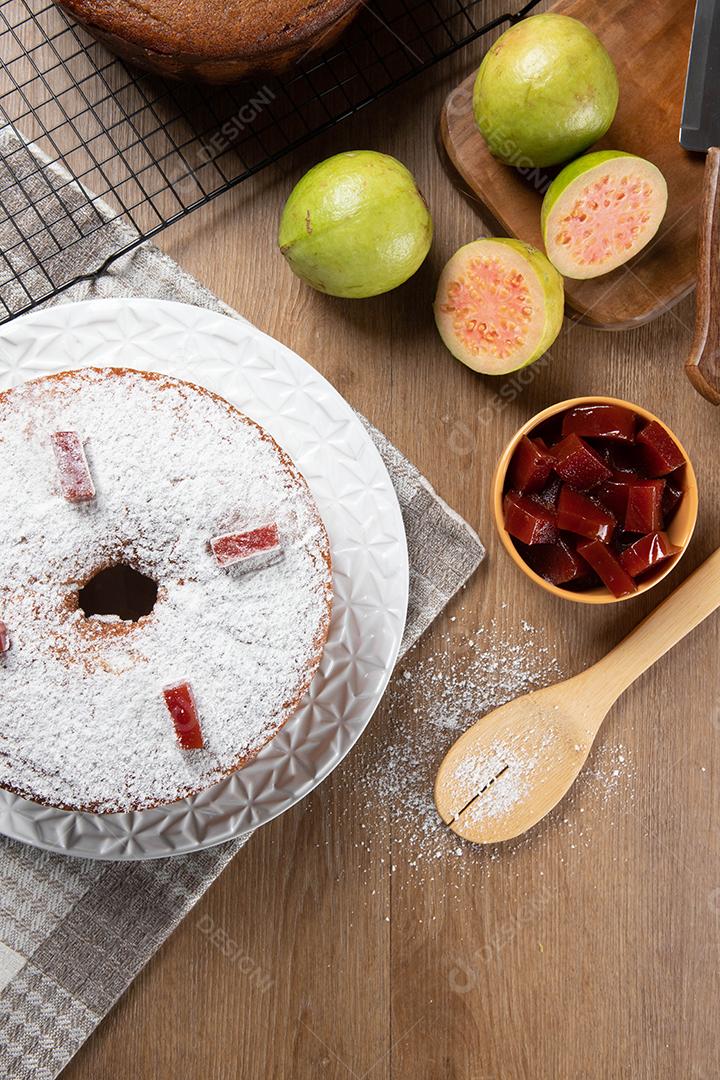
96 157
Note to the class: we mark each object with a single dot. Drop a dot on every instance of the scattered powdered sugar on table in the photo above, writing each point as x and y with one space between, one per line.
466 677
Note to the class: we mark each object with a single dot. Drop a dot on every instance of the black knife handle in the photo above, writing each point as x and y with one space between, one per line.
703 362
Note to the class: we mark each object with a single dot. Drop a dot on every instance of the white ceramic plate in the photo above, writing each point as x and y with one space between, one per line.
357 501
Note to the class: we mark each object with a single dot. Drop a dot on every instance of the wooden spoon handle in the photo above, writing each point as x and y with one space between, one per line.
693 601
703 362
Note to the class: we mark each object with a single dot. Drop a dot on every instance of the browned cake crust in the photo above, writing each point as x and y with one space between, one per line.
213 40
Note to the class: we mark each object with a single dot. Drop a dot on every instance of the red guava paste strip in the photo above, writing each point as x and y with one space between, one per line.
237 547
180 701
75 480
4 638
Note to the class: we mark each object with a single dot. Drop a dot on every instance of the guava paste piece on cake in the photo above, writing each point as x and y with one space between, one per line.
180 701
578 513
244 547
76 482
528 520
601 421
578 464
607 567
4 638
647 552
661 454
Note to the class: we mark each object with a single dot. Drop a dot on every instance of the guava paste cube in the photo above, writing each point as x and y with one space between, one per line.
4 638
550 493
607 567
644 507
661 454
244 547
622 539
531 466
558 563
647 552
549 432
73 470
623 459
613 494
600 422
578 513
576 463
180 701
670 501
528 520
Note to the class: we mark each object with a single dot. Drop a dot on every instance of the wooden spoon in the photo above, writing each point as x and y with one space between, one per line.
512 767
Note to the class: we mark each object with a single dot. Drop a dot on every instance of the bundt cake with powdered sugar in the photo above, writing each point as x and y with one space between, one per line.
165 593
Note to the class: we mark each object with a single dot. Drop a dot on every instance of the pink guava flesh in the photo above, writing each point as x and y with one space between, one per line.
605 220
490 308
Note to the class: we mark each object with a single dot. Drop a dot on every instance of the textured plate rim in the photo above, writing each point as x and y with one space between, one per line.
62 832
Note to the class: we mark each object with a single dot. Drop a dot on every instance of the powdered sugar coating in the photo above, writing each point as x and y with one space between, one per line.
83 723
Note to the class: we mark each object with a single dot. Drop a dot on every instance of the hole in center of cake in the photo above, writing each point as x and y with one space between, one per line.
119 590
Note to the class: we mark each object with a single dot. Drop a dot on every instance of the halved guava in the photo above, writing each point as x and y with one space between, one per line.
499 305
600 211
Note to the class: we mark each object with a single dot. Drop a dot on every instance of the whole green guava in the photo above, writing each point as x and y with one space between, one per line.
356 225
545 91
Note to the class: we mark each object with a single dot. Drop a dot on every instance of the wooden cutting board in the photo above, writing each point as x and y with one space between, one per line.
649 44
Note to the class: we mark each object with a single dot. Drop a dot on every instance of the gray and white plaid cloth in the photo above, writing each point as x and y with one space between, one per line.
75 933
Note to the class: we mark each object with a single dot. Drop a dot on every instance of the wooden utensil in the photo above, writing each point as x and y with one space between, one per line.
649 44
700 132
512 767
703 362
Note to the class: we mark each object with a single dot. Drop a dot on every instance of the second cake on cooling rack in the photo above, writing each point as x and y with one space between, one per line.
213 40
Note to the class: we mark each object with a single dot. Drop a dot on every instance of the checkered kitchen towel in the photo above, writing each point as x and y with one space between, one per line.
73 933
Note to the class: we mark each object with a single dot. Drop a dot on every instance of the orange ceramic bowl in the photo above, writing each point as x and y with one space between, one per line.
679 530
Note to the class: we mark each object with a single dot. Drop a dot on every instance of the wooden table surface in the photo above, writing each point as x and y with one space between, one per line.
562 958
